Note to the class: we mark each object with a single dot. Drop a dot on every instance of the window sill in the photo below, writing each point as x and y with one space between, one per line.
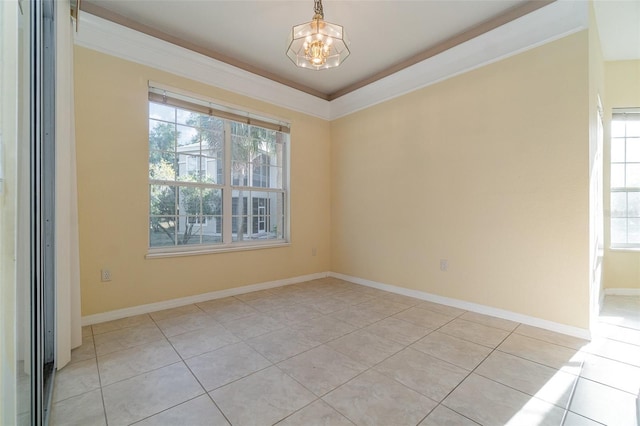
198 251
625 249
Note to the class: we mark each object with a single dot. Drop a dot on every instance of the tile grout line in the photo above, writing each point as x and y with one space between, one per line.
104 409
380 297
104 406
438 403
571 395
361 328
371 368
317 398
470 373
183 360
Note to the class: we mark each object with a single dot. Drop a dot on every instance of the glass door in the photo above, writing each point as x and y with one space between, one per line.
42 205
27 176
16 350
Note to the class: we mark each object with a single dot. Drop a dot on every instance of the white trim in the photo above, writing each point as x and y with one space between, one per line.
542 26
175 303
622 291
469 306
535 29
178 251
68 333
456 303
122 42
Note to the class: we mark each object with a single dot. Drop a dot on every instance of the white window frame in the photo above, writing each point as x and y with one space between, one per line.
227 113
623 115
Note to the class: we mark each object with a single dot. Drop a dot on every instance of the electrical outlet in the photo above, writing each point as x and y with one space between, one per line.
314 251
444 265
105 275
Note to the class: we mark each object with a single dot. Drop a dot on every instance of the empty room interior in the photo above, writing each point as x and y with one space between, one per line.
424 213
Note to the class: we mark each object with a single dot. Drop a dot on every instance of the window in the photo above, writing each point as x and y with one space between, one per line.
625 178
217 176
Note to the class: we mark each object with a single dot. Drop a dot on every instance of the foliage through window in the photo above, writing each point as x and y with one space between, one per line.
216 178
625 178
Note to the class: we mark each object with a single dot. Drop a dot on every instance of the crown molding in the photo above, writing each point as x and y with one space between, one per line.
552 22
122 42
546 24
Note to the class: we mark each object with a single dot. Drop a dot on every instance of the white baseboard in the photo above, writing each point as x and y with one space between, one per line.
456 303
174 303
581 333
622 291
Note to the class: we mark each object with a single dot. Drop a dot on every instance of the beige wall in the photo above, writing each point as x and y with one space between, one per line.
490 170
112 158
622 82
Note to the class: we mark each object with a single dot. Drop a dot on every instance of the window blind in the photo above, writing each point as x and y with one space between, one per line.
163 96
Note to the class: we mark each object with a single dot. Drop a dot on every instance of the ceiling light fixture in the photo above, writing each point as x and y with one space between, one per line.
318 44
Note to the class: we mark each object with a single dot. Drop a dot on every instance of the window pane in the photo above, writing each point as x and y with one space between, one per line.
162 165
240 173
237 234
211 201
618 231
625 179
633 175
185 117
633 128
162 200
276 177
617 129
162 136
239 208
617 175
241 150
211 170
189 230
187 137
633 150
618 204
239 129
243 147
213 152
634 204
162 231
634 231
212 230
260 175
212 124
617 150
277 214
213 143
161 112
260 215
239 215
188 168
190 200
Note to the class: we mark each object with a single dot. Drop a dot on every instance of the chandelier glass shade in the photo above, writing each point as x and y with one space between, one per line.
318 44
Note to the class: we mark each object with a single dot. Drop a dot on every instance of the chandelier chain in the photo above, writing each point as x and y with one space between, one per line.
317 8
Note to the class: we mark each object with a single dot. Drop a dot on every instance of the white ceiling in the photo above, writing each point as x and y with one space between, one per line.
619 26
383 33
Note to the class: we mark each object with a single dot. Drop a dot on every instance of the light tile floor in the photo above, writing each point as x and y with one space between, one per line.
329 352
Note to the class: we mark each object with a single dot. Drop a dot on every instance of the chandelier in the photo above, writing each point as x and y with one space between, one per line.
318 44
